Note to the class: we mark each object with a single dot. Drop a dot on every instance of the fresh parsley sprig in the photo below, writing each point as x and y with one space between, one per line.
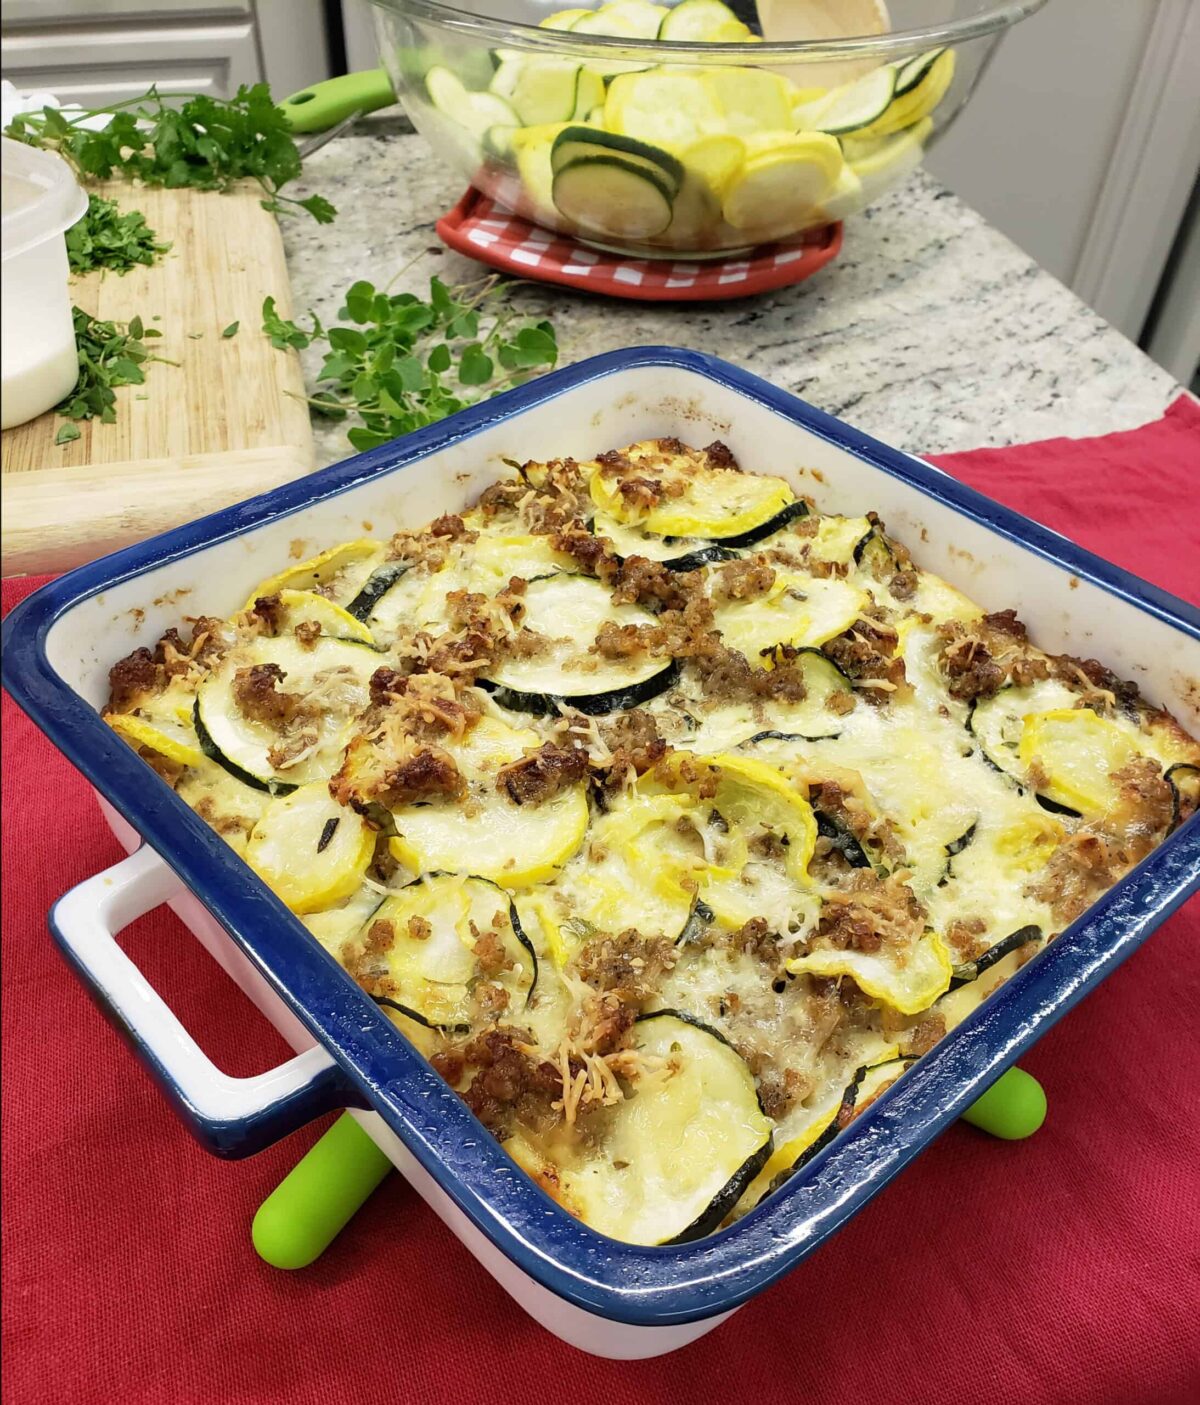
405 362
110 354
205 143
105 238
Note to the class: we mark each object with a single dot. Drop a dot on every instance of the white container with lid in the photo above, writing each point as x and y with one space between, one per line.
41 200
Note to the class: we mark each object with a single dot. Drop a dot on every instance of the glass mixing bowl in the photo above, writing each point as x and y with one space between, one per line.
676 131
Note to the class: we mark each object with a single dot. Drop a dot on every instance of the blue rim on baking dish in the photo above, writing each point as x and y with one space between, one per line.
623 1282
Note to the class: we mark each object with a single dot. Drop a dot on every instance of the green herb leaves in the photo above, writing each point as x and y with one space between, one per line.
105 238
406 362
205 143
110 354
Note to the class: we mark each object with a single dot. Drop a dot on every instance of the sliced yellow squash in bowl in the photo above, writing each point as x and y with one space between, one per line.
783 181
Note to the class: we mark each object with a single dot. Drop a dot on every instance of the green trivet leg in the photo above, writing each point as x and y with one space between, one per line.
304 1214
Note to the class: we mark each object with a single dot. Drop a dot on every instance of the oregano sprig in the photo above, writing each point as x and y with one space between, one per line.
403 361
110 354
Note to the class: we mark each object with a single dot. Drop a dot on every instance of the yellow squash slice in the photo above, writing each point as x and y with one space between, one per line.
309 850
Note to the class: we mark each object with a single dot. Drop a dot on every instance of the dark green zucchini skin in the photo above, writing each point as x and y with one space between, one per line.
1054 807
418 1018
698 919
766 529
842 840
1179 768
518 931
774 736
726 548
881 544
378 583
727 1197
954 848
214 753
972 970
592 704
731 1192
845 1115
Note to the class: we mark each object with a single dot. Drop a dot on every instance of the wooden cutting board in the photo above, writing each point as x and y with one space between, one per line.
227 423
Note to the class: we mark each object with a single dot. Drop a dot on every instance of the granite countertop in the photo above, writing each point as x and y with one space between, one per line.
930 330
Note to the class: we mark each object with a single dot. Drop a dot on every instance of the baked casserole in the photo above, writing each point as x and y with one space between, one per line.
670 818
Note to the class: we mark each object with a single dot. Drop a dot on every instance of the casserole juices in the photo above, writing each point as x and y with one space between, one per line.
683 1044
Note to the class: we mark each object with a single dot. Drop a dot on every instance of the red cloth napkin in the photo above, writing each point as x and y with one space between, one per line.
1061 1269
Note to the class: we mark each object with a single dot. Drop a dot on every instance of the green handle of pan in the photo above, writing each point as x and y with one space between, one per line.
303 1215
325 104
299 1220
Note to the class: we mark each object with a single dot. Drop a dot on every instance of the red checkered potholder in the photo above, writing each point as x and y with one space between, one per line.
483 229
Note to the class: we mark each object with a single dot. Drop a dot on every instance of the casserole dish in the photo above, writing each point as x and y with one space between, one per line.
610 1298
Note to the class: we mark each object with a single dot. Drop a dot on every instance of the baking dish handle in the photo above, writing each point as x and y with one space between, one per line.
231 1117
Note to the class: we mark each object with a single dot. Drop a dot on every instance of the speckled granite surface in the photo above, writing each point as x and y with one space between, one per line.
930 330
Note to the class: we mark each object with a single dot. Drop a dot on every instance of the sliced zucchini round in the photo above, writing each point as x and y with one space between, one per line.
909 981
1184 779
852 107
669 1160
997 722
377 584
429 962
341 573
611 197
918 101
761 723
915 70
816 1126
486 834
542 90
568 611
693 21
333 927
799 610
337 670
475 111
577 143
309 850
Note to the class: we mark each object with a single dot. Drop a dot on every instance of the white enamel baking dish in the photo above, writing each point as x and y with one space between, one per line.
611 1299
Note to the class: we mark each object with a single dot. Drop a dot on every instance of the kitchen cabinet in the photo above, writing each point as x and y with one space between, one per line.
99 51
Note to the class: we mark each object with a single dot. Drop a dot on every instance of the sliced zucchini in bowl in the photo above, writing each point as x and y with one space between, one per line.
610 197
665 108
925 91
309 850
474 111
575 143
698 21
568 612
543 90
852 107
666 1163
